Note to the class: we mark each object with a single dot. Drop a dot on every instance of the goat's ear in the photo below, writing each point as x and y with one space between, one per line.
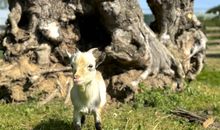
93 50
100 59
99 56
68 54
77 51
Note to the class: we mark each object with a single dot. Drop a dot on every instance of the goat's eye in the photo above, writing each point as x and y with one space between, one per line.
90 66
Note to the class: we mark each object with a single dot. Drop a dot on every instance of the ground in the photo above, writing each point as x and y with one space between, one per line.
149 111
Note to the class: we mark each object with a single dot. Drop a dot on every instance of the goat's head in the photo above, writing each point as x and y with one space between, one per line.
83 66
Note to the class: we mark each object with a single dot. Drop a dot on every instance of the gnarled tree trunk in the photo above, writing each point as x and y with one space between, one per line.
179 29
39 32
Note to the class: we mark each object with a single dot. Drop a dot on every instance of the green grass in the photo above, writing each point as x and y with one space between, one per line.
210 22
210 77
150 109
30 116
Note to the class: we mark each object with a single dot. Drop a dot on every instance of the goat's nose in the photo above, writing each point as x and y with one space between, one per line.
76 76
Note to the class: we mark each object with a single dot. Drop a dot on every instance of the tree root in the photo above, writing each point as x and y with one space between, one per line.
49 98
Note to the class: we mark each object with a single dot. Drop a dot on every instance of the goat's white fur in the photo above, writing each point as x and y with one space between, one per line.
88 94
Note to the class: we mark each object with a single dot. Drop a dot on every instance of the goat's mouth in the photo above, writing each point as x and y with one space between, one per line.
77 81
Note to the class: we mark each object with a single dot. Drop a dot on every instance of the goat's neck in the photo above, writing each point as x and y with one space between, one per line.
82 88
86 90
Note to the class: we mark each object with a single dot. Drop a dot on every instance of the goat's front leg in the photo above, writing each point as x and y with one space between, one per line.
77 120
97 117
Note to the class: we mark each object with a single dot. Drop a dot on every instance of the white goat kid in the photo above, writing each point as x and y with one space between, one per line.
88 94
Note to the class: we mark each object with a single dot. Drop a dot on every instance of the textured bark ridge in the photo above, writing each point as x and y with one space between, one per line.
40 31
179 29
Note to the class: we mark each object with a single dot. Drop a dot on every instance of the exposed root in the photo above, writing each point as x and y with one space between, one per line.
49 98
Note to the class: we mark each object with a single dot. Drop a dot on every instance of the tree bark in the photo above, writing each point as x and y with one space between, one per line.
179 29
40 31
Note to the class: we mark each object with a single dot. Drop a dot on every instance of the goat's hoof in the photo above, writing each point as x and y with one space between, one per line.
76 127
98 126
83 119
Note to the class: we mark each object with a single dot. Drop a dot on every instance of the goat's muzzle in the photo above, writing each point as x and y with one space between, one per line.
76 79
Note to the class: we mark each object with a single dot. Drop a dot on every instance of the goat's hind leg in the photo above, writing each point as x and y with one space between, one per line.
83 118
97 117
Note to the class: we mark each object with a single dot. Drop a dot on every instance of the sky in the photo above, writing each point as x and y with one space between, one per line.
199 5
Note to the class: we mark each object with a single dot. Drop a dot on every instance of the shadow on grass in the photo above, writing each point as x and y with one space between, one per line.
213 55
53 124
